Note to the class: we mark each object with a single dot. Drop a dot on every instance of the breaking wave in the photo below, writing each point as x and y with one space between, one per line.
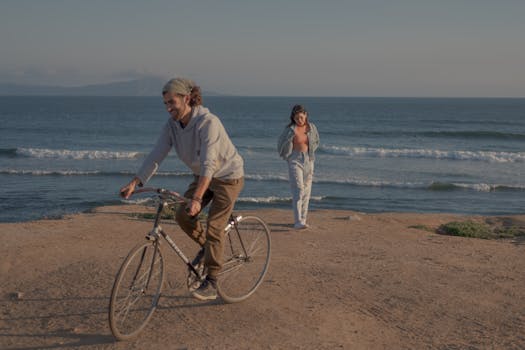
67 154
487 156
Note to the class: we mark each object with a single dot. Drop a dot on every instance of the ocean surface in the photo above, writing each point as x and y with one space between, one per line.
62 155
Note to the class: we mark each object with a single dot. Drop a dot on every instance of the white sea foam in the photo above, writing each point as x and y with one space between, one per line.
484 187
487 156
174 173
480 187
71 154
273 199
140 201
266 177
359 182
48 172
269 199
369 182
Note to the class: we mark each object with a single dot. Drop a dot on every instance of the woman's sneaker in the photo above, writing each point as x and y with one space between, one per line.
300 226
206 291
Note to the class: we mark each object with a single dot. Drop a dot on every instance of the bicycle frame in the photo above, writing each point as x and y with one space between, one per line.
158 232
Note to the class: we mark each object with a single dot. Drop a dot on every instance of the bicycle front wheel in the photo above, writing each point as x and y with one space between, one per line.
136 290
246 259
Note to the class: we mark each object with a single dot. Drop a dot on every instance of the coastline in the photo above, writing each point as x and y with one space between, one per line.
386 154
352 280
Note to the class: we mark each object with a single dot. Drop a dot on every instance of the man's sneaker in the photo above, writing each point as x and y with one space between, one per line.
206 291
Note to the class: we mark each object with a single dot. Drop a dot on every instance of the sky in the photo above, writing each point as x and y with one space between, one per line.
385 48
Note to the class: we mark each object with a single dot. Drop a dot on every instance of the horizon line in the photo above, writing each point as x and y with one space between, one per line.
274 96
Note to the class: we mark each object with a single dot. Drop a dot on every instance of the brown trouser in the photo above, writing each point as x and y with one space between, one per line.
222 194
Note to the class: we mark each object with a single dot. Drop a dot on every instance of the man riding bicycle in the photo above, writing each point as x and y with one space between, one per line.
201 142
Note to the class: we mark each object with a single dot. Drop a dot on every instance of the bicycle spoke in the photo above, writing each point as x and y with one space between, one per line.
136 290
230 267
247 256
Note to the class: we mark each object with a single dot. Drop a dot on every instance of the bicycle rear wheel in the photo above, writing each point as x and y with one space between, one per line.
136 290
246 259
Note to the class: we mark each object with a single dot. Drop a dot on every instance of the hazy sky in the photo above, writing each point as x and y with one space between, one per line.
266 47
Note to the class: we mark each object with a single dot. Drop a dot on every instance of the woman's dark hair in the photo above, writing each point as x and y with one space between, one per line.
297 109
195 96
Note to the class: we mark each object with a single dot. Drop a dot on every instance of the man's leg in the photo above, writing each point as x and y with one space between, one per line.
225 193
191 225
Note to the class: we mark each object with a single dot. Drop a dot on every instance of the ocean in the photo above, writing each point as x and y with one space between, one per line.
61 155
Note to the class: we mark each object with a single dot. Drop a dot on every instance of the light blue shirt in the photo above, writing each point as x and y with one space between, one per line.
285 143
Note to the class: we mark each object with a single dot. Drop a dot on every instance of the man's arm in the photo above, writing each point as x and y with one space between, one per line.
195 205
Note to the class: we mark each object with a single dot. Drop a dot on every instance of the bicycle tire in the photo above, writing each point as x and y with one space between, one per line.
136 290
244 268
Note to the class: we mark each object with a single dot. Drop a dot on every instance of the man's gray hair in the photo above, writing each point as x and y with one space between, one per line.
179 86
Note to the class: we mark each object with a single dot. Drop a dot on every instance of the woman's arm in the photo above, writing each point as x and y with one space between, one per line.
315 141
285 142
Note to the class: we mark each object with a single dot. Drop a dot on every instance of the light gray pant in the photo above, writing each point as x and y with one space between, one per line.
301 172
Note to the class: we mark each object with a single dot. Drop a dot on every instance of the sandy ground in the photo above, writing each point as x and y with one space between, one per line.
351 281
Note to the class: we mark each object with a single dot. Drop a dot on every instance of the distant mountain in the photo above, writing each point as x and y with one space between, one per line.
150 86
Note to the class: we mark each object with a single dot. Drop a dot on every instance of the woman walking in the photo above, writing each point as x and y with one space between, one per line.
297 145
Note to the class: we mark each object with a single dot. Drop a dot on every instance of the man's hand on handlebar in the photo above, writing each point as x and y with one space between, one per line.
193 207
127 190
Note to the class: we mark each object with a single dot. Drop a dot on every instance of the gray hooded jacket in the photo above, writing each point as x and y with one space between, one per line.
203 145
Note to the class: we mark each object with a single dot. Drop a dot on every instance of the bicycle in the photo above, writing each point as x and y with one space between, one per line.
139 281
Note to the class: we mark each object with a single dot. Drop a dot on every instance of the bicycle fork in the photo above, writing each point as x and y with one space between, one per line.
139 267
233 225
